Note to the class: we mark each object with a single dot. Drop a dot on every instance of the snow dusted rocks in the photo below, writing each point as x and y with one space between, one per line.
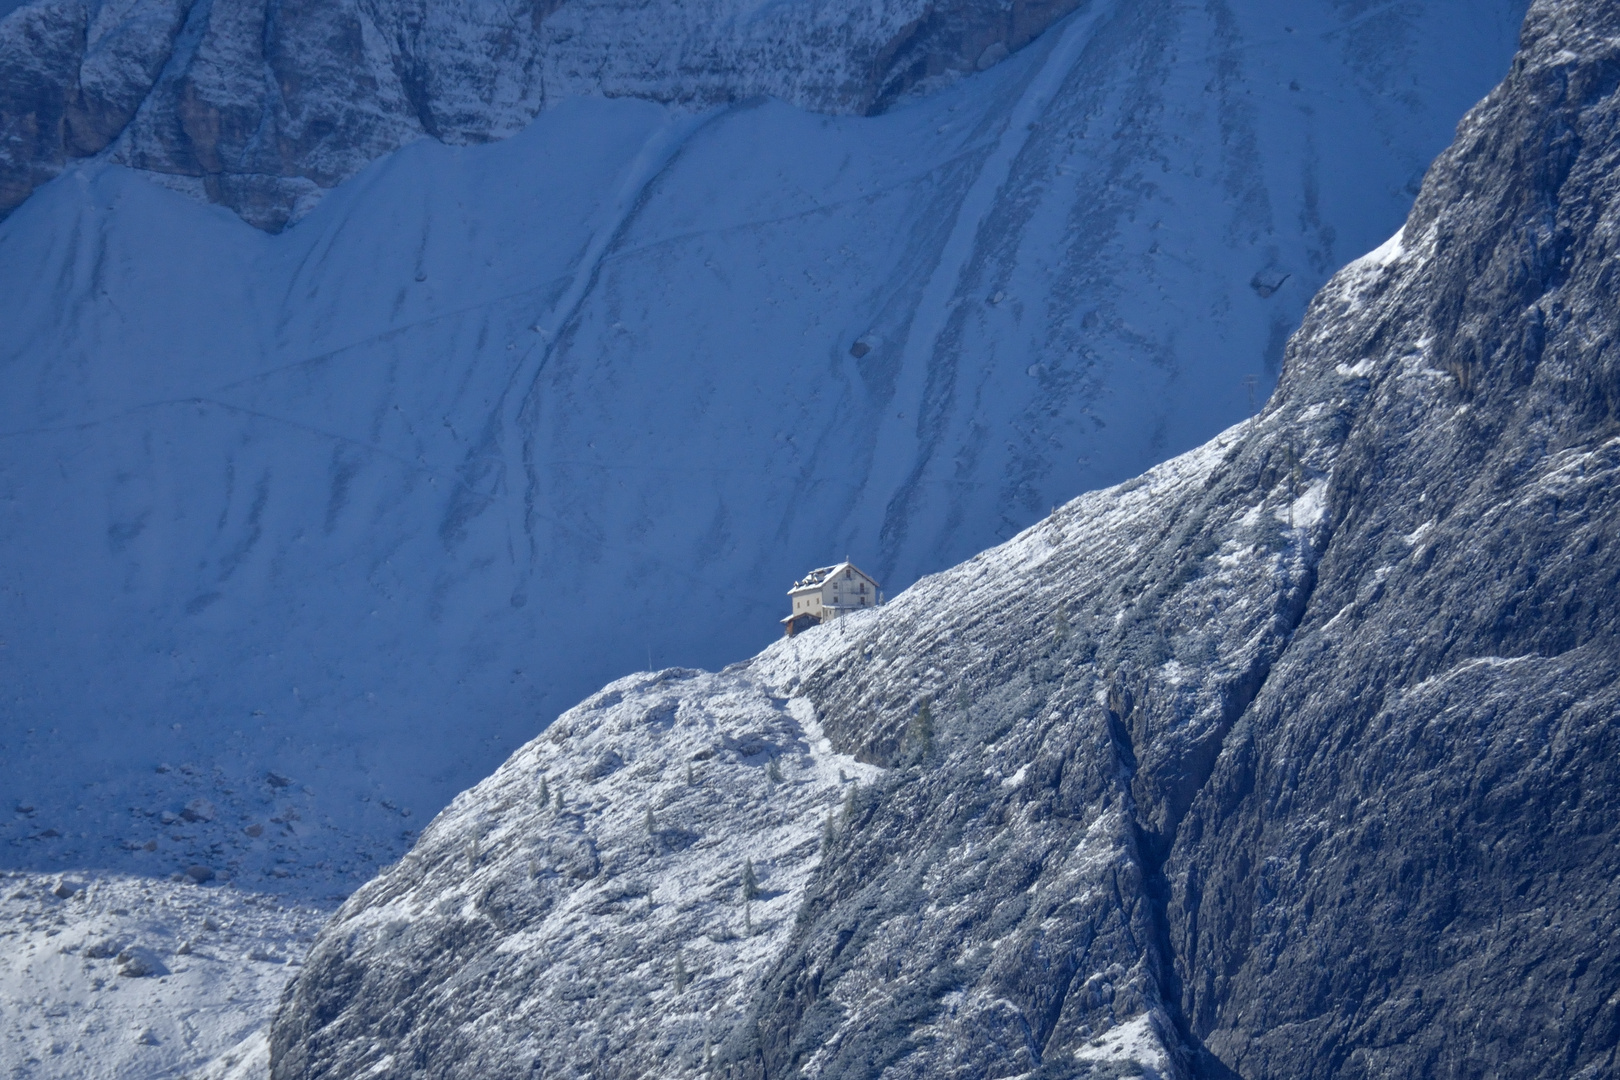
72 75
1293 758
129 978
604 904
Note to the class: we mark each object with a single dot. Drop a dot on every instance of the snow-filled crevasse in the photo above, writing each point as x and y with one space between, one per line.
260 497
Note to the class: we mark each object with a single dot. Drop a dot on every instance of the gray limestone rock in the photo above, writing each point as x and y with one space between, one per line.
104 949
1295 757
72 75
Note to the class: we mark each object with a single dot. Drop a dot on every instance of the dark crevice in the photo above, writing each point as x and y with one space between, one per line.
1154 847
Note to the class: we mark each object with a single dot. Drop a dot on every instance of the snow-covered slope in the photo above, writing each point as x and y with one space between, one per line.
1294 758
364 504
664 832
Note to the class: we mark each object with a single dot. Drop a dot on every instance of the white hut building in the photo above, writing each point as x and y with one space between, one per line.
825 594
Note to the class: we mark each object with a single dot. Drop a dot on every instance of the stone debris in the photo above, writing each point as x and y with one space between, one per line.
82 980
103 949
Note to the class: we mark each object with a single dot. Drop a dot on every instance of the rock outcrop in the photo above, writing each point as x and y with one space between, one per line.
1295 757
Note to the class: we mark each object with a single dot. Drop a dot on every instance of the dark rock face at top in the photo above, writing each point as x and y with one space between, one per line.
1296 758
261 106
69 83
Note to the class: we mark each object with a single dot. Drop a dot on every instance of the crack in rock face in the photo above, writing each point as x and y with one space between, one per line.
1294 757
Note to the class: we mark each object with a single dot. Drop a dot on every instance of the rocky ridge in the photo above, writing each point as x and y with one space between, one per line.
1292 758
661 835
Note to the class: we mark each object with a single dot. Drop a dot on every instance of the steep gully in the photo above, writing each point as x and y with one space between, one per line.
1154 845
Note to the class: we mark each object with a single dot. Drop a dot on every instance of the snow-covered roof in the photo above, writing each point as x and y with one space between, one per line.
820 576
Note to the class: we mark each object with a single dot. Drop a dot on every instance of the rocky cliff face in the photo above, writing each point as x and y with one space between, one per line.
1295 757
262 106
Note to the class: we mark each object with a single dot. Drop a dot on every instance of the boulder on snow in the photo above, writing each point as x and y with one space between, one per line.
993 54
139 962
199 809
200 873
606 764
1268 281
103 949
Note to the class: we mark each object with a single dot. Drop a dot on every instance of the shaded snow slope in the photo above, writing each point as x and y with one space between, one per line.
365 504
1294 757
